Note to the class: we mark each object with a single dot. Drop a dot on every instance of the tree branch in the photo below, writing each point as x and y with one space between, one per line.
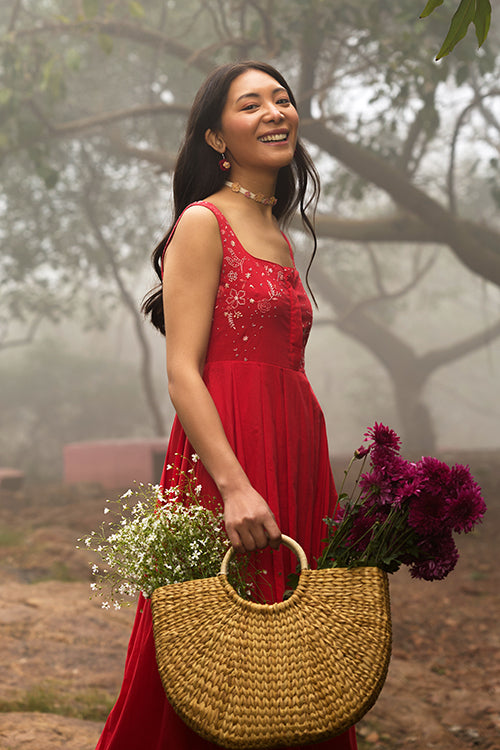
482 259
14 15
266 16
27 339
417 127
439 358
384 295
310 45
73 127
477 101
127 30
398 227
450 176
161 159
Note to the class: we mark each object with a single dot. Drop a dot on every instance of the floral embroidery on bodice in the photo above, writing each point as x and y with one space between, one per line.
262 313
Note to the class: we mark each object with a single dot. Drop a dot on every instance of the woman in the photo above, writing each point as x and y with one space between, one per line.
236 320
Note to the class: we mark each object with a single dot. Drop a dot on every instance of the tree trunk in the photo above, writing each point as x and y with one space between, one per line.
146 373
416 418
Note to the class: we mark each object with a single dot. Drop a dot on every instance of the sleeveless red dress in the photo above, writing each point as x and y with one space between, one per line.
254 372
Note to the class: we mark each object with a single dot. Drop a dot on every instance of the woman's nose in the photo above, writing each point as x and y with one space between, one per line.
274 113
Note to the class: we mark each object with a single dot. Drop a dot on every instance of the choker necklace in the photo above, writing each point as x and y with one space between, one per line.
258 197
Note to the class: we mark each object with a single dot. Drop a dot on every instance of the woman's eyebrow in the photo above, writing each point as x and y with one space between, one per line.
254 94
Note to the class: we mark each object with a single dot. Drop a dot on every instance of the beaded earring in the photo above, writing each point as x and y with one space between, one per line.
224 164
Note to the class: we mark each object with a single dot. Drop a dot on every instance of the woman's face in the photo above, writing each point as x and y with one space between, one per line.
259 123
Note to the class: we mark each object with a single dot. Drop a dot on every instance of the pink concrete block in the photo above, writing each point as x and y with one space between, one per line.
115 463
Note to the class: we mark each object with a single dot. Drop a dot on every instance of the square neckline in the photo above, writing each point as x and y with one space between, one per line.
251 255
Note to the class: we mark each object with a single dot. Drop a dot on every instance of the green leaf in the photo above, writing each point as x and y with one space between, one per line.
47 174
458 28
5 96
106 43
482 20
46 74
90 8
136 9
73 59
52 79
430 7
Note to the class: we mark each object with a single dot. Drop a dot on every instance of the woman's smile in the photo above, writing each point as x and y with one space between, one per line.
275 136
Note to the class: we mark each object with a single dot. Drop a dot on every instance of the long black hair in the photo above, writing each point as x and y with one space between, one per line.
197 174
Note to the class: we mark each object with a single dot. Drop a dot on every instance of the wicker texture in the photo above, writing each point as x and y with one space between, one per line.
247 675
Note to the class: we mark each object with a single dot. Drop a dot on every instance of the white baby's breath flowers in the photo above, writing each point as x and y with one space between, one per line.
165 536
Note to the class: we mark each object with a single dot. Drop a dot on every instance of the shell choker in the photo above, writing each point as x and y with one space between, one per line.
258 197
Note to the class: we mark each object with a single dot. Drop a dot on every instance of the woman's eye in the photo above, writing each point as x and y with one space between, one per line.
249 106
285 100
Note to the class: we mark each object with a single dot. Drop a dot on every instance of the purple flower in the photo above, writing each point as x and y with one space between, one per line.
383 436
408 482
376 486
338 515
466 506
428 507
435 474
362 451
385 455
427 513
439 557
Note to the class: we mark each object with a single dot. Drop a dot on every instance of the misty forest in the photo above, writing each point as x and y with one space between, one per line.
93 99
401 115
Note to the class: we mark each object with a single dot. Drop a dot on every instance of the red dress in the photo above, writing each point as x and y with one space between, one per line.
254 372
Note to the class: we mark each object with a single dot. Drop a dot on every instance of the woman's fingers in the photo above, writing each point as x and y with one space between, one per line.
235 540
250 536
250 523
273 534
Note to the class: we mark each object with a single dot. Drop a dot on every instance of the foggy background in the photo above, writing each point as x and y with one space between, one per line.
93 101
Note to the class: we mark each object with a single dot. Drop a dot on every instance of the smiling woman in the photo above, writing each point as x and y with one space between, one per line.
236 319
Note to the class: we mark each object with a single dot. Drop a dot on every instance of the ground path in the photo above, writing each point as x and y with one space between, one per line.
61 655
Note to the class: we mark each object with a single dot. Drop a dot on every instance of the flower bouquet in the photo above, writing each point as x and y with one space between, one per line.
401 512
158 536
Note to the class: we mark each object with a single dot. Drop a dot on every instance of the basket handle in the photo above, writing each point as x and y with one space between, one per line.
286 540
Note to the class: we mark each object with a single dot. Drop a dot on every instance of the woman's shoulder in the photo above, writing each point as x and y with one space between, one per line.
197 229
198 217
200 211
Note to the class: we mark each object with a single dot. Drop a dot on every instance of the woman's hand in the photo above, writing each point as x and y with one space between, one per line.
250 523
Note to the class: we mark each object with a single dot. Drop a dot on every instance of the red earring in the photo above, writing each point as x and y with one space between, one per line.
224 164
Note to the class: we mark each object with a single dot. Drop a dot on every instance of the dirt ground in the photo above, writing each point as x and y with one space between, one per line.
62 655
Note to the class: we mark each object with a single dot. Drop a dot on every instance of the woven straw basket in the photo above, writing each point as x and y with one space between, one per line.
247 675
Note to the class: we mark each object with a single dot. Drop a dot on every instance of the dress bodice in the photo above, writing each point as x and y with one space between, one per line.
262 313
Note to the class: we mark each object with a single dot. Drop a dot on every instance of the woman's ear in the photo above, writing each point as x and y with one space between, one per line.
215 140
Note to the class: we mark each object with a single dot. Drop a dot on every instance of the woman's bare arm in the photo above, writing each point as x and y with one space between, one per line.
191 278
